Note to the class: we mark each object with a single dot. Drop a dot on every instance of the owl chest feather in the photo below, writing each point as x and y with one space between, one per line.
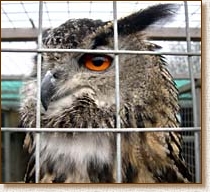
75 153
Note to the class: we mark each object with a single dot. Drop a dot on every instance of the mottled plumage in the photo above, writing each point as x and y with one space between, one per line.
78 90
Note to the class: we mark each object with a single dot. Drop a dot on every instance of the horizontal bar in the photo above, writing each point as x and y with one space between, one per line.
172 34
100 51
99 130
153 33
22 78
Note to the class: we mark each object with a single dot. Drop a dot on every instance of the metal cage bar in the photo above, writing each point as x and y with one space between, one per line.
100 51
113 130
117 95
38 115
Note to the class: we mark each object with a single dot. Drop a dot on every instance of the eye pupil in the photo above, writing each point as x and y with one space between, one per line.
98 61
55 75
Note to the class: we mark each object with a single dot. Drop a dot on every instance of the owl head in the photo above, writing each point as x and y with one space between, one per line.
78 79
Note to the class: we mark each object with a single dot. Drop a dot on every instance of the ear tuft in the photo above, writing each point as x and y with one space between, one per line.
144 18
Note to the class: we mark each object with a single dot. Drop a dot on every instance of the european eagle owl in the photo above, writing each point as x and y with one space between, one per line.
78 91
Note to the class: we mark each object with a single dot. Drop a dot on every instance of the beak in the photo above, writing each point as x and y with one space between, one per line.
47 89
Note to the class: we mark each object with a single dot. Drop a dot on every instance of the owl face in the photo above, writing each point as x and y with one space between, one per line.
67 77
75 74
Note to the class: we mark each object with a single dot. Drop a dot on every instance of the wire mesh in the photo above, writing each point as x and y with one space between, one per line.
190 139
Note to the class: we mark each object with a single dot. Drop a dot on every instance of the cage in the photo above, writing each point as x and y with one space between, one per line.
21 27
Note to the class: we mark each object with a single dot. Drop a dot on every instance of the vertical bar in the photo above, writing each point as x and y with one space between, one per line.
117 95
195 120
7 150
198 97
39 60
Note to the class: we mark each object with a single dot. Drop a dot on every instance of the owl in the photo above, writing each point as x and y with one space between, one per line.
78 91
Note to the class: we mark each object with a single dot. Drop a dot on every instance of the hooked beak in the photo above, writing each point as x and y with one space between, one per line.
47 89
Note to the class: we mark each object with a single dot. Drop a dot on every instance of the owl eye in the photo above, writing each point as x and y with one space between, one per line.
97 62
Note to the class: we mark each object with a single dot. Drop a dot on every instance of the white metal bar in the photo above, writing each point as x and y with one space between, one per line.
101 130
195 121
38 118
117 96
100 51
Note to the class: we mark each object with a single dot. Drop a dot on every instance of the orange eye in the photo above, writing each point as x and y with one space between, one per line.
97 62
